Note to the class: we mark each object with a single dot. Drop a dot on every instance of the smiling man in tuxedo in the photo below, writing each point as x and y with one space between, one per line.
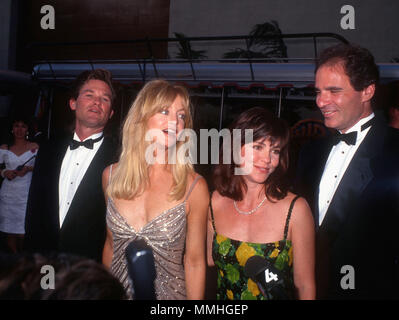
66 206
351 180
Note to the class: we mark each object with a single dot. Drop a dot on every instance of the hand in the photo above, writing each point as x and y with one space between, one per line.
10 174
23 171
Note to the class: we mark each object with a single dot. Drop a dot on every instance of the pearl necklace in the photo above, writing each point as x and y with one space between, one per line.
249 212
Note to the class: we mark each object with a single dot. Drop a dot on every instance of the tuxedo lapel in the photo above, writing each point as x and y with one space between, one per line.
356 178
319 169
56 163
93 172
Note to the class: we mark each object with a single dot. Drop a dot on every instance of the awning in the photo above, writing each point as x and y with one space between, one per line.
12 80
223 74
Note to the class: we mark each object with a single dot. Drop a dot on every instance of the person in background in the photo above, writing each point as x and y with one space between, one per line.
56 277
351 181
254 214
393 108
394 116
66 205
19 159
163 202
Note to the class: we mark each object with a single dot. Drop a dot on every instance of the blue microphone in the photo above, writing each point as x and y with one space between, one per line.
141 269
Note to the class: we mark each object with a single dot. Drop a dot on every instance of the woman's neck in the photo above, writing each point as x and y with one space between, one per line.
255 192
158 168
20 142
162 161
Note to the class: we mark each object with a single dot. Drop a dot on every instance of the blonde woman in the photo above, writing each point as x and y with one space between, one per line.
163 203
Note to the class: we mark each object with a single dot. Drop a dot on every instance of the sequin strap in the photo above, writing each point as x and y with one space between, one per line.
287 222
192 186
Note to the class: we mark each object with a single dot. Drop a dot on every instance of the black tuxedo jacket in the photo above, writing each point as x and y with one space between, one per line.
84 228
361 224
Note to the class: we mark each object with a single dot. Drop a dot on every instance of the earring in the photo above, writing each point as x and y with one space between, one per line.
27 136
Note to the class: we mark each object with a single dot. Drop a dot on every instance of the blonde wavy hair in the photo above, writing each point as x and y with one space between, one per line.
131 177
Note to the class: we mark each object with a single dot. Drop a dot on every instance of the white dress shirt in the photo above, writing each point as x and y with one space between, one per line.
73 169
338 161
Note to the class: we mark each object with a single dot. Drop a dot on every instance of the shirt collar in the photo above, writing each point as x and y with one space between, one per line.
358 125
93 136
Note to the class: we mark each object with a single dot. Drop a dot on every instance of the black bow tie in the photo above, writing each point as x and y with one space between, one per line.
350 138
89 143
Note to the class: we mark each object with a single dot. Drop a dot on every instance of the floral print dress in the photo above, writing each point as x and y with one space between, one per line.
230 257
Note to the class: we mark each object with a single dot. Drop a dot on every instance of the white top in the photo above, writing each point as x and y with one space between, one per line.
73 169
14 193
336 165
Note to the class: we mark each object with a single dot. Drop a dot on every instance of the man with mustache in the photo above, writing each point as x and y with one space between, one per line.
351 181
66 206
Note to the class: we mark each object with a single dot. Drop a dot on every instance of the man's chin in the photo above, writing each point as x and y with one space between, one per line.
331 124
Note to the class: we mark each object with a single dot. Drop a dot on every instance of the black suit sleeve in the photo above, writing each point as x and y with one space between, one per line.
38 234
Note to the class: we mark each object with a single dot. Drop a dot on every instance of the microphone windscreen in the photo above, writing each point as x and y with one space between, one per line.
254 266
141 269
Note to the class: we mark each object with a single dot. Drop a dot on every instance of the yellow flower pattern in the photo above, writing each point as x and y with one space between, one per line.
230 257
253 288
220 238
290 257
243 253
274 253
232 283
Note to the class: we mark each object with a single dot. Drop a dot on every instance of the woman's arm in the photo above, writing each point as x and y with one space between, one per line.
303 247
108 248
195 254
209 240
34 147
9 174
2 164
23 171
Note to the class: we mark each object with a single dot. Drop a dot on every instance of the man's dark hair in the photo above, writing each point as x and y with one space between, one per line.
96 74
358 63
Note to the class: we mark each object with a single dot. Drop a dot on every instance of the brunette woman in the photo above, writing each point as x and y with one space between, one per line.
19 159
254 214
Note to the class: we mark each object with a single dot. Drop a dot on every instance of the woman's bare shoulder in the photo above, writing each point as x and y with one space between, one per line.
287 200
200 187
3 147
300 209
107 170
218 201
33 146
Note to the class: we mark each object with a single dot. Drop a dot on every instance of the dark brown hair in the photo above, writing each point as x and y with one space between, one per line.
264 125
96 74
358 64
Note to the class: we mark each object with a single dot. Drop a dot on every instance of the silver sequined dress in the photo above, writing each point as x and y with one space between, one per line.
166 234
